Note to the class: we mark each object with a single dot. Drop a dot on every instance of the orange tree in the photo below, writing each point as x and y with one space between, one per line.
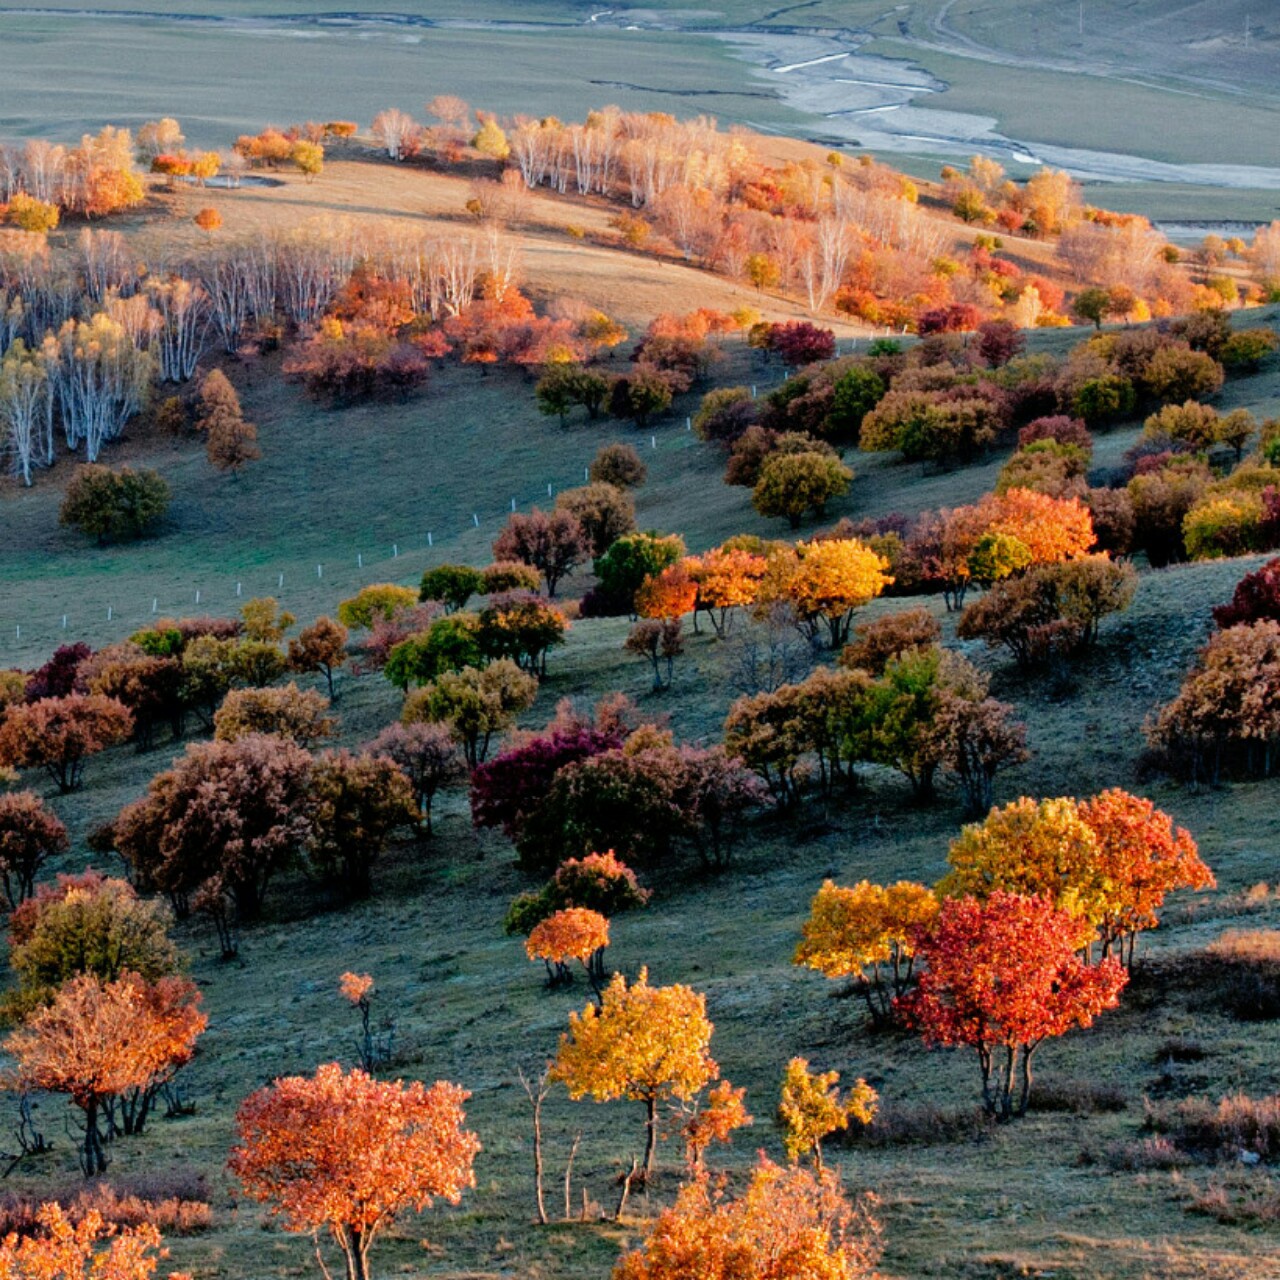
1144 857
344 1153
1001 976
726 579
58 734
101 1041
644 1043
573 933
867 934
789 1223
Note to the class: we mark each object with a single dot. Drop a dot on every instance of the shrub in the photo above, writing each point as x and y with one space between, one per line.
1175 374
889 637
29 836
725 413
628 562
1104 399
604 512
1199 427
798 342
449 644
1161 500
1221 1130
1246 349
510 575
380 600
107 504
618 465
792 484
1060 427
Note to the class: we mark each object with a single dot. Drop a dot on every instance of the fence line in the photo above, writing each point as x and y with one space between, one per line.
23 633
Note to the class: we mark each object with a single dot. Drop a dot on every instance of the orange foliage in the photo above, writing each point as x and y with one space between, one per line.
89 1250
715 1121
344 1153
1052 529
670 594
574 933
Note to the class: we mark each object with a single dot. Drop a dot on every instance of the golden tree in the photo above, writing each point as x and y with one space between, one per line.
866 934
811 1108
643 1043
831 579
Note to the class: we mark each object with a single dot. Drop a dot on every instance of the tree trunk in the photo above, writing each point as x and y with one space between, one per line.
651 1137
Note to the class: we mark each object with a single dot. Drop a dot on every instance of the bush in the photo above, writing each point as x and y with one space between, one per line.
1257 596
452 584
288 712
792 484
1245 350
618 465
725 413
1161 500
627 563
1104 399
114 505
449 644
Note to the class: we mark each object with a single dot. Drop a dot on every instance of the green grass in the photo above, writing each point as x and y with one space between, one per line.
469 1006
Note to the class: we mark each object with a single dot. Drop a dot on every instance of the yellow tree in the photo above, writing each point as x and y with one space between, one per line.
643 1043
1035 849
829 580
812 1107
866 934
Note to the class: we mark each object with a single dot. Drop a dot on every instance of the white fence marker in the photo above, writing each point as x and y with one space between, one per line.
395 551
430 543
281 582
108 613
18 631
688 424
319 571
155 604
197 595
359 560
586 473
475 519
513 504
753 390
653 440
64 622
548 491
239 586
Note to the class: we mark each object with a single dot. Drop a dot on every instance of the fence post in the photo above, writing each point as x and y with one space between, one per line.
475 519
281 582
395 551
430 543
319 571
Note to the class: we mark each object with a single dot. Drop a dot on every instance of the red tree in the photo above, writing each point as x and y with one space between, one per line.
1001 976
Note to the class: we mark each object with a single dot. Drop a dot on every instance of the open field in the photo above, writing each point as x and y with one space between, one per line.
1143 97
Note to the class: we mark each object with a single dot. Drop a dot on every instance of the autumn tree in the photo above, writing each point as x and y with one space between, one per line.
812 1108
1002 975
791 484
475 704
553 544
427 755
452 585
618 465
380 601
572 933
301 715
86 924
867 934
726 578
789 1222
99 1041
29 836
521 626
659 641
59 734
345 1154
715 1117
321 647
357 803
230 441
240 811
831 579
599 882
605 513
1143 857
624 568
876 643
643 1043
88 1248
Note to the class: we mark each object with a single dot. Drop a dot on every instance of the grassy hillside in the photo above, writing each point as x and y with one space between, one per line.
1030 1199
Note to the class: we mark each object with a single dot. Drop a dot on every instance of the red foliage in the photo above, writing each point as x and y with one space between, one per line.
799 343
1257 596
959 317
1001 976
